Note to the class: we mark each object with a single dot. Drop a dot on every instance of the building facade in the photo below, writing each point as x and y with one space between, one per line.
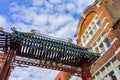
99 30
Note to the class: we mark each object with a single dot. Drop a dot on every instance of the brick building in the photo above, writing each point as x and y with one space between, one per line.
99 30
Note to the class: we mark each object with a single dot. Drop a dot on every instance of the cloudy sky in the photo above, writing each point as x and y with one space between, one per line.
52 17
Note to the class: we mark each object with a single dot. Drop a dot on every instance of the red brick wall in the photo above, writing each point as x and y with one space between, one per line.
105 57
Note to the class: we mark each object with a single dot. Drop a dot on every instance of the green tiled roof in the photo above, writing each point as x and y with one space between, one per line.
50 48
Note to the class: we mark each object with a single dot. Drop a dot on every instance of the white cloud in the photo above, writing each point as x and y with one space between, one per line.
67 31
37 2
71 6
40 20
55 1
57 20
2 21
49 5
82 4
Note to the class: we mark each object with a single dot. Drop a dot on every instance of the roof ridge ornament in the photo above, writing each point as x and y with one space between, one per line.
14 29
32 31
2 28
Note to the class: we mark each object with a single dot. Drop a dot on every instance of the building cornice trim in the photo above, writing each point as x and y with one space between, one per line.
116 52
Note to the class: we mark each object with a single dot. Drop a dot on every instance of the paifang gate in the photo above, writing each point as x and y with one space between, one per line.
44 51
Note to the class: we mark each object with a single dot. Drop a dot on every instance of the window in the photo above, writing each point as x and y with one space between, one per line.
98 75
83 36
107 43
86 32
94 28
93 23
93 77
112 76
105 78
109 67
91 32
84 41
97 17
102 48
87 36
91 49
98 40
103 72
89 27
99 23
103 34
94 44
97 50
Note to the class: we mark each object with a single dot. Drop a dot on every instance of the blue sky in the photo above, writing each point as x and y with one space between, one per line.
57 18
